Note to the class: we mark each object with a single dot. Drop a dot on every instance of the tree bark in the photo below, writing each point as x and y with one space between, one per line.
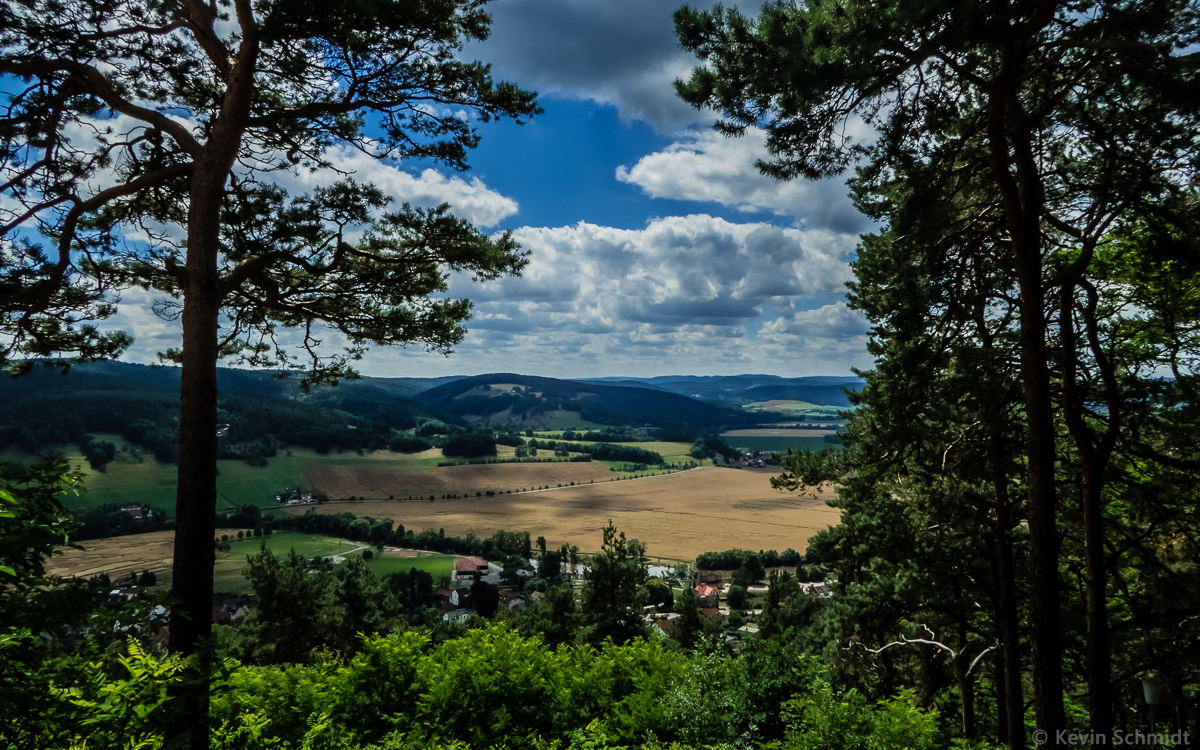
966 690
1002 712
1093 459
1022 195
1006 583
196 494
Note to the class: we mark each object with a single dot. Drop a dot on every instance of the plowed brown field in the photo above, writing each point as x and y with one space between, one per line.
677 515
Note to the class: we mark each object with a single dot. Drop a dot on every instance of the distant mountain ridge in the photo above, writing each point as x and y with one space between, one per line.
822 390
47 407
528 399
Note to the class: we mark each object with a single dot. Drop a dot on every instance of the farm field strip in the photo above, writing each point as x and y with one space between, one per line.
153 551
679 516
376 475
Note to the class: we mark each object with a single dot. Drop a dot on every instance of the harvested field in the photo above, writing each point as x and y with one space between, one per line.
677 515
120 554
378 480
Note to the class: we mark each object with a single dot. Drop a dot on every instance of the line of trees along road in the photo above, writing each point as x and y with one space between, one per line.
1033 296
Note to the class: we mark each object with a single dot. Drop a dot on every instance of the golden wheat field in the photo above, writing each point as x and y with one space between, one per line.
677 515
119 554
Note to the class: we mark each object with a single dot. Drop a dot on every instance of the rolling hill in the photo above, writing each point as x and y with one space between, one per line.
47 408
738 390
506 398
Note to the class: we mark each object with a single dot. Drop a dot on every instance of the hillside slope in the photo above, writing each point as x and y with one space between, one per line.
823 390
510 398
47 408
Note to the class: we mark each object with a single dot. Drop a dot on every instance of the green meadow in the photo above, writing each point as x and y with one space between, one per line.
130 480
438 566
228 575
152 483
798 409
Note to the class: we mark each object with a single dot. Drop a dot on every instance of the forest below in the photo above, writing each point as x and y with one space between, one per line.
1016 560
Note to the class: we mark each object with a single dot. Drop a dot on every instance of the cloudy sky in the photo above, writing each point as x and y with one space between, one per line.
657 248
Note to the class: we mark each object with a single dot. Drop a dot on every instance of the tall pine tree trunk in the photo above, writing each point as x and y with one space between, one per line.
196 494
1093 458
1006 583
195 499
1010 142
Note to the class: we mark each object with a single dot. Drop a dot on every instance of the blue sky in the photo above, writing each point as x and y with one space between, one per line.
656 246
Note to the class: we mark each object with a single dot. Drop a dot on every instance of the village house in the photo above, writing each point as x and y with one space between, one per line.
300 497
817 590
466 568
709 596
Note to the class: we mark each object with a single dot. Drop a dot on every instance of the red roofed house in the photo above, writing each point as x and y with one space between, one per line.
465 568
709 595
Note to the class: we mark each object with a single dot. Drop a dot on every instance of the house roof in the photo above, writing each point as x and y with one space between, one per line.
704 590
469 564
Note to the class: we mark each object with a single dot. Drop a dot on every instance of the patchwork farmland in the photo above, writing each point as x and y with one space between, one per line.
118 556
677 515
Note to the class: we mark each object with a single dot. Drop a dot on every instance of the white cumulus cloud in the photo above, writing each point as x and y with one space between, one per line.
683 294
469 199
708 166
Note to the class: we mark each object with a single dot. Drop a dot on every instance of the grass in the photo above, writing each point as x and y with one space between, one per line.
308 545
151 483
228 577
438 566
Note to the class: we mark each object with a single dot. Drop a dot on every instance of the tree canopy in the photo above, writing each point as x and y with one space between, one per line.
146 143
1005 149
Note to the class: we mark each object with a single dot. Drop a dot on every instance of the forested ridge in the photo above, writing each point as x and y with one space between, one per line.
603 404
50 408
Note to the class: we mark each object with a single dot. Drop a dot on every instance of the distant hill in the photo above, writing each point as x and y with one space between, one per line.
823 390
505 398
623 382
822 395
140 402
